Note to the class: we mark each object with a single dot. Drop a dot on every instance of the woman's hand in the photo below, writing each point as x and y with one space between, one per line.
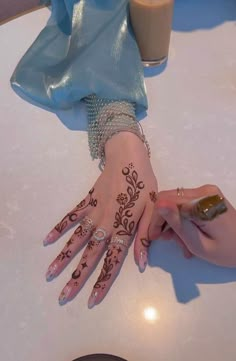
186 214
120 202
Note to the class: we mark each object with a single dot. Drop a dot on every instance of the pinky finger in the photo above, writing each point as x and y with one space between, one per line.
113 262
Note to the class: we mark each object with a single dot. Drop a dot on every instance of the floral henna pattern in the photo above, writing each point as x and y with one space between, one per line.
146 242
110 262
122 199
153 196
126 202
72 216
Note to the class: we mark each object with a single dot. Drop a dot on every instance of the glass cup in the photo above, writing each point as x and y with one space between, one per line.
152 21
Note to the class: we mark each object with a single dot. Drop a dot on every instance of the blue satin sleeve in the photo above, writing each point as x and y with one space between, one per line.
87 47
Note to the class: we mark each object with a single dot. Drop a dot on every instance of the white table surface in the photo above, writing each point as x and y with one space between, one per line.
46 169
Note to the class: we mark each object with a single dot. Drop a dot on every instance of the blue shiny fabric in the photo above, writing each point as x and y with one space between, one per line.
87 47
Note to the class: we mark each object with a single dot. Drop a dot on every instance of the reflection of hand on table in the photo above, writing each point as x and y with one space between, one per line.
213 240
118 204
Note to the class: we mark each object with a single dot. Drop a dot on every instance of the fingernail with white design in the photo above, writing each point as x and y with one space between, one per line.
51 272
63 298
49 239
92 299
143 260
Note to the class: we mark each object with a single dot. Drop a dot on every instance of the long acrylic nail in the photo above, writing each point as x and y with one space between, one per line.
92 299
143 260
49 238
51 272
63 298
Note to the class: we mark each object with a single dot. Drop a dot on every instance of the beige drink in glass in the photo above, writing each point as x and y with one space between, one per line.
152 21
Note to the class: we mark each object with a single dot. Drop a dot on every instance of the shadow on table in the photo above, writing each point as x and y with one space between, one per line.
186 274
191 15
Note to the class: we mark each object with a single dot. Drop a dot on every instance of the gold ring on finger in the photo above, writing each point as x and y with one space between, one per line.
180 192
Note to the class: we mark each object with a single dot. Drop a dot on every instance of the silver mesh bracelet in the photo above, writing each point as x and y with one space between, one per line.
106 118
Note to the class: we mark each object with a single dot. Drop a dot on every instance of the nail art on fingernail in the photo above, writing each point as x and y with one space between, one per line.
92 299
51 272
143 261
63 298
48 239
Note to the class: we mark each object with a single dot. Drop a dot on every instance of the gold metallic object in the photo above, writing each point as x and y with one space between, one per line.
180 192
100 234
209 208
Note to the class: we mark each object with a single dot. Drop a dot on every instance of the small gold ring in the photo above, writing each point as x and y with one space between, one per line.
180 192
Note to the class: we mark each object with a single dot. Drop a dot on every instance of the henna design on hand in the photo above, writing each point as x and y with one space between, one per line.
81 231
126 202
69 243
153 196
146 242
110 261
64 255
84 265
92 244
76 274
72 216
105 274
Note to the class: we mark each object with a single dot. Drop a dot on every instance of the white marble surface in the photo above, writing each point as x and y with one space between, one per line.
45 169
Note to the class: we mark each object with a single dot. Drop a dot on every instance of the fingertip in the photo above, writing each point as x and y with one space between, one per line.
94 299
50 238
45 243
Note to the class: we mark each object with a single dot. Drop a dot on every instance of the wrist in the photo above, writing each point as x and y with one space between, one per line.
123 144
